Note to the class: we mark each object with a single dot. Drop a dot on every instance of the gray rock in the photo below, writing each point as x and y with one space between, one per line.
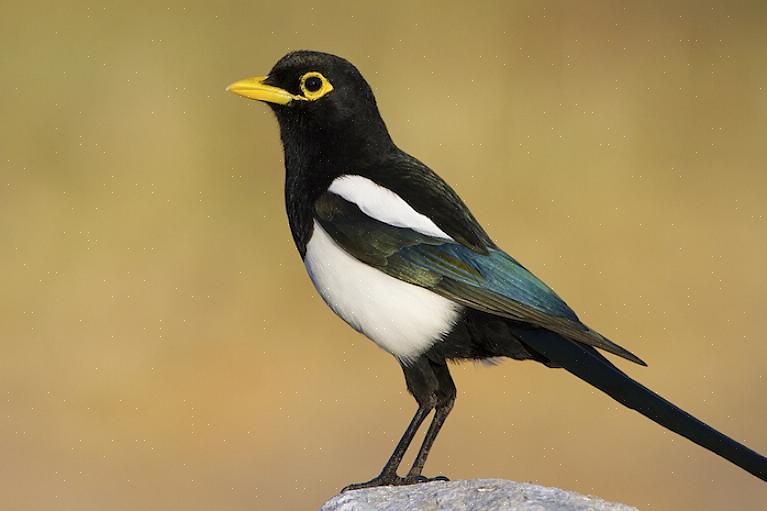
474 495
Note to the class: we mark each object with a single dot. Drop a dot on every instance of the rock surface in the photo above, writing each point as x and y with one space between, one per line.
473 495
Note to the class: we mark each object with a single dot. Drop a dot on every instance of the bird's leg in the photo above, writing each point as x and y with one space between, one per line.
440 414
388 476
390 469
422 383
446 393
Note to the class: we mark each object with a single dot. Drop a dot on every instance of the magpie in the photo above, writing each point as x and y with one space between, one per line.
395 252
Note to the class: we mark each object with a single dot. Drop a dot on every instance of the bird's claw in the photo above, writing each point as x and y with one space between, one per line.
393 480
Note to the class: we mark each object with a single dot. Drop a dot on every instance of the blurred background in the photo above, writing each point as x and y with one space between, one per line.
162 348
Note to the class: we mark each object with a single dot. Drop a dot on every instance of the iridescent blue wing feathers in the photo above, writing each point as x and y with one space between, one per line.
495 283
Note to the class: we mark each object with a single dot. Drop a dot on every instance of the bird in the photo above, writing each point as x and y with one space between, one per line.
395 252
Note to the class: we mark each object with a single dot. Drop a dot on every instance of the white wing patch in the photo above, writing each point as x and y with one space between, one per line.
403 319
384 205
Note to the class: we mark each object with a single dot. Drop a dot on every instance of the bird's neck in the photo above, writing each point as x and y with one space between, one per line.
314 158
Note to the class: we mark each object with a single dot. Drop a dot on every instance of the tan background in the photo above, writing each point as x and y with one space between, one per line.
162 347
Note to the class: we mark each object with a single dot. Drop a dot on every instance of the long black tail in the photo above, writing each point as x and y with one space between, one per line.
588 365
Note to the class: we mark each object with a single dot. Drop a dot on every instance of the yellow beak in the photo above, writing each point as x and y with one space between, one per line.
255 88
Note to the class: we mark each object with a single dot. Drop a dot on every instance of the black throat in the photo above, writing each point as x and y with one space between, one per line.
316 154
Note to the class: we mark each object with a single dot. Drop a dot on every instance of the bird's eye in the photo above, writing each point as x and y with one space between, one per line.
314 85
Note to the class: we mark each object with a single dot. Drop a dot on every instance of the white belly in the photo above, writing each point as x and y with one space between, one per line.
403 319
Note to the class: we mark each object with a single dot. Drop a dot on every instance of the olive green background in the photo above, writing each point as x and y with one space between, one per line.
162 348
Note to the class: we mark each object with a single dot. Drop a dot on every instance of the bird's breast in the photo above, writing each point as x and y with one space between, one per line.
401 318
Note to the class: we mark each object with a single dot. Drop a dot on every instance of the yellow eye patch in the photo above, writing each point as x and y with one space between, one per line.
314 85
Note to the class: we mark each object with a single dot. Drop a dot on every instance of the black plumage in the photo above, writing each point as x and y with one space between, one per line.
330 127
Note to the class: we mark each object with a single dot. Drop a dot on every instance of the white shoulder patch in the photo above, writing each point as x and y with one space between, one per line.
384 205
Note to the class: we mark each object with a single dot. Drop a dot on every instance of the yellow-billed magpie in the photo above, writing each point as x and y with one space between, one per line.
396 254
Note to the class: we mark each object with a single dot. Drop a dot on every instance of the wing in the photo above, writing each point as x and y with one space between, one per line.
494 282
429 194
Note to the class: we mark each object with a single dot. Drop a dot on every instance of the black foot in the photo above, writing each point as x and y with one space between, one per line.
393 480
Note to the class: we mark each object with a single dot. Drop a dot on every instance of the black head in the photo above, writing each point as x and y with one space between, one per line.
322 103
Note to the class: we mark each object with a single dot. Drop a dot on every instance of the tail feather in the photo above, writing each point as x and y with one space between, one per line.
590 366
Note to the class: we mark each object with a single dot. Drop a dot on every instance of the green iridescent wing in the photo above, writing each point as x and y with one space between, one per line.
495 283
